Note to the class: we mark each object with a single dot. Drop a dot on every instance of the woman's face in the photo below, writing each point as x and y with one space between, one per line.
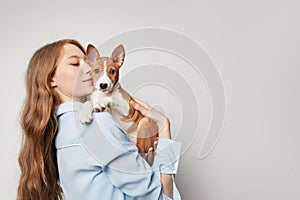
72 79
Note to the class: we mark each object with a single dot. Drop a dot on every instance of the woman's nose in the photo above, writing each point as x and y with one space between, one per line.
86 68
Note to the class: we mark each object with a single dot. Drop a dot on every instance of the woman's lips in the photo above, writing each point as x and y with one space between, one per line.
90 81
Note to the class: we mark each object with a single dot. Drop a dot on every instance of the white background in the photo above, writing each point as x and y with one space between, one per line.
255 46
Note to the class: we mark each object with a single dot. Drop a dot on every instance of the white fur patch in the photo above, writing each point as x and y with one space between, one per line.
120 105
100 99
104 79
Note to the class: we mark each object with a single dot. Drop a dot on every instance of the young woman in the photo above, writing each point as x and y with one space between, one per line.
63 159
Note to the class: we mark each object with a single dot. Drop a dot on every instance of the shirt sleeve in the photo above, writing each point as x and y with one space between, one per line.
167 156
124 166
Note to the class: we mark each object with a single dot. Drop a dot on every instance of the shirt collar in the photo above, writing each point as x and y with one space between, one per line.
68 107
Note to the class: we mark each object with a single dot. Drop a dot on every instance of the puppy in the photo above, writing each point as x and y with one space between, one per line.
110 96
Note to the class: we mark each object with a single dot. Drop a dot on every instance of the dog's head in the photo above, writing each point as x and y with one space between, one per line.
105 70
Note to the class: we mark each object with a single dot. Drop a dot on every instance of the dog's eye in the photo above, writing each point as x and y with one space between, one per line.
112 71
96 71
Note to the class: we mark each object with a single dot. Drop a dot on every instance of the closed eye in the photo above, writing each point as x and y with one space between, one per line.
75 64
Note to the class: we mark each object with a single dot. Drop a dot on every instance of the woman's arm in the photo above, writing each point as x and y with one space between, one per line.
164 132
120 160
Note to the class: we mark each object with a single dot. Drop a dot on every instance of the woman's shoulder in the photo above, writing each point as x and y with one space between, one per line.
71 131
68 107
67 133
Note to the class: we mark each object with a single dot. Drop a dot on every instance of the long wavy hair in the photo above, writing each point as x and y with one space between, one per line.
39 178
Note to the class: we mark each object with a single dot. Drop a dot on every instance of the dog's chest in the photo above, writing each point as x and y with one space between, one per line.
120 103
120 110
100 99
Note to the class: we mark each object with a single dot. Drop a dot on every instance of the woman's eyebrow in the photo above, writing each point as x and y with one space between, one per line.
73 56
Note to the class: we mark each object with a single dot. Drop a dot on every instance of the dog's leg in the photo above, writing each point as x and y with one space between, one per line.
100 101
146 135
86 111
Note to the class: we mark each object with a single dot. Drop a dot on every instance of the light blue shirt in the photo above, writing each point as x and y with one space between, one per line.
97 162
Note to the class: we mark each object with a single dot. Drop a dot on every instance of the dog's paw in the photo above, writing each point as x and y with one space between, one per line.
99 107
86 119
85 115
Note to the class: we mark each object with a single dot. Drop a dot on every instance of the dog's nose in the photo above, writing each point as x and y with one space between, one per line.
103 85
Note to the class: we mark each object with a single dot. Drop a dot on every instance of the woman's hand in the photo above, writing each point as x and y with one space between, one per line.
163 124
161 120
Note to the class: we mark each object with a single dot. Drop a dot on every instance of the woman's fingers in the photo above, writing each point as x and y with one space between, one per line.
144 104
162 121
147 110
141 108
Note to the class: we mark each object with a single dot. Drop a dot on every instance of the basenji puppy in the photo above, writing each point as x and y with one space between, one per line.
110 96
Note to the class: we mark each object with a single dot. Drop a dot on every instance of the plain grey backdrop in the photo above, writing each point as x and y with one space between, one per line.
255 47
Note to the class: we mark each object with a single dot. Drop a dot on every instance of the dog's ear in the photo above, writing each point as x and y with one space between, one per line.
92 54
118 55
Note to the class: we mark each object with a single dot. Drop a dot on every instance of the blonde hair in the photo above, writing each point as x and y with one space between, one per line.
37 159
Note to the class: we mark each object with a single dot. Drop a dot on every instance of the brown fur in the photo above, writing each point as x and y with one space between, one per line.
141 124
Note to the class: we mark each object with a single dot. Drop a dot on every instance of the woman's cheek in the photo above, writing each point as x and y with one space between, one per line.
82 89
